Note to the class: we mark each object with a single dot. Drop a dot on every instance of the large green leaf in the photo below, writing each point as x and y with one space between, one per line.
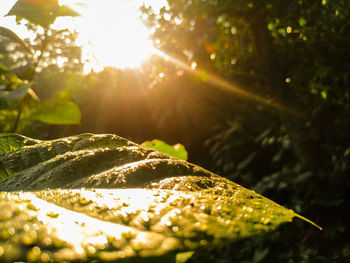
108 199
39 12
13 36
61 113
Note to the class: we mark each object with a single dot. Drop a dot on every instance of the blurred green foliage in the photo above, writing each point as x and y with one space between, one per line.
291 53
26 63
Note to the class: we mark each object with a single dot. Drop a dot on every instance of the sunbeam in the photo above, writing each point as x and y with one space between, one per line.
223 84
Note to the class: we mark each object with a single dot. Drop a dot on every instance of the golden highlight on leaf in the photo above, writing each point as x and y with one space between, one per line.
102 197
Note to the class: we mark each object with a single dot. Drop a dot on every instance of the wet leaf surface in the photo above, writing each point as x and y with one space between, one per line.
104 198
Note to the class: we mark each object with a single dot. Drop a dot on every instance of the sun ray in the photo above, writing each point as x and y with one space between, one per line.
223 84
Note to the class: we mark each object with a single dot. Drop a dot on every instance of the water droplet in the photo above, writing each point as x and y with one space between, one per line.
32 207
91 250
45 257
52 214
84 201
34 254
266 221
203 242
46 241
11 230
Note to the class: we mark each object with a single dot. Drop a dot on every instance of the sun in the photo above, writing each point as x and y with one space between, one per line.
113 35
111 32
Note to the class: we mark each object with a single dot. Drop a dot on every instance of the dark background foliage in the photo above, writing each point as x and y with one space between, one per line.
289 141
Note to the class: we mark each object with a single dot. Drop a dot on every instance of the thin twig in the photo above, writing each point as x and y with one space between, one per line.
18 117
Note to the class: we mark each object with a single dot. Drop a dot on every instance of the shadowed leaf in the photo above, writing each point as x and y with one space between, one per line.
60 113
10 98
13 36
25 72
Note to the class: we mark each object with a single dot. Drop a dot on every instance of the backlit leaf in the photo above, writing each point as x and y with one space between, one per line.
177 150
59 113
36 11
40 12
67 11
302 21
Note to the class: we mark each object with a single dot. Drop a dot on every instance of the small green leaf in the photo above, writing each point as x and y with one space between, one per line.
183 257
25 72
63 113
250 5
67 11
4 71
302 21
10 98
13 36
271 26
177 150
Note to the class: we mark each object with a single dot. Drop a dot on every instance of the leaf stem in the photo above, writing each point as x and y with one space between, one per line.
44 44
18 118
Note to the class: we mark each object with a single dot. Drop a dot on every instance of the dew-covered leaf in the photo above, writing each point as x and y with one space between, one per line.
104 198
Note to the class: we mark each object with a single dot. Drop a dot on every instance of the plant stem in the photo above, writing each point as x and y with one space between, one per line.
18 118
44 44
